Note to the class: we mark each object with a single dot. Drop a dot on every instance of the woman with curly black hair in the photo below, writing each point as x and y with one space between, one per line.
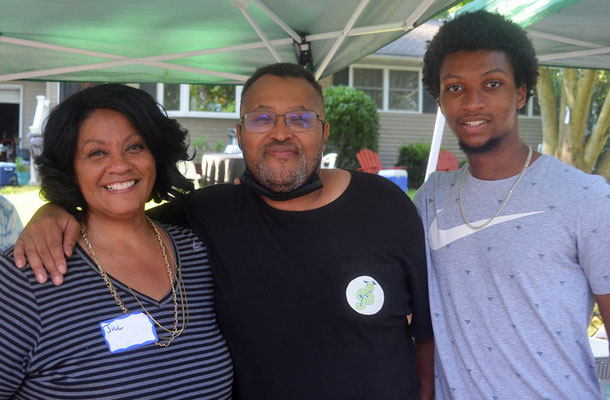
135 316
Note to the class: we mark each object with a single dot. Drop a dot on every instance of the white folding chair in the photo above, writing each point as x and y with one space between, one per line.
187 168
329 160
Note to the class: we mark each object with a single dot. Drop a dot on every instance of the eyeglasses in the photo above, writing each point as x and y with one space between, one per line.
296 121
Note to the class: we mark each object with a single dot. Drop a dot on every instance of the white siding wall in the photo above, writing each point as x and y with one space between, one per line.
399 129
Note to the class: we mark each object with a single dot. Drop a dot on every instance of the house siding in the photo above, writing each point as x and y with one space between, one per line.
397 129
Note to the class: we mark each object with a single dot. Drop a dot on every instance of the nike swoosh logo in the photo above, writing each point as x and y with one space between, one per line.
442 237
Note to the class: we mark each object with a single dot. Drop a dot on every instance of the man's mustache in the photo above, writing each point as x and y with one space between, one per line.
287 143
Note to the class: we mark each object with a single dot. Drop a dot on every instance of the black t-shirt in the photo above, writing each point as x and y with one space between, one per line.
293 290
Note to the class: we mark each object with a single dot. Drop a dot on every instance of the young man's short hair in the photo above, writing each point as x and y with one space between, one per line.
481 30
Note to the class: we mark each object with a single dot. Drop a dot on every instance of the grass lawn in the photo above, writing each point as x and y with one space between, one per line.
25 198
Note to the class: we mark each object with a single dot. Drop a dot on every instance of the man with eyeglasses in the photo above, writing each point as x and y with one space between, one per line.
321 289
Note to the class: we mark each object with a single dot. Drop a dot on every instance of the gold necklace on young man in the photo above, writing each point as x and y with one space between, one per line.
477 227
174 332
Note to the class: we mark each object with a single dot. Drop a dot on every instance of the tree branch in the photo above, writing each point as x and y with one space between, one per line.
579 109
548 111
599 136
603 168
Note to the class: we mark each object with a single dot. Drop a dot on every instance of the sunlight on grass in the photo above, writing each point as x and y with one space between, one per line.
27 200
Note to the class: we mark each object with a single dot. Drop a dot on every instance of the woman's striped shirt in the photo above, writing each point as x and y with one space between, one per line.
52 347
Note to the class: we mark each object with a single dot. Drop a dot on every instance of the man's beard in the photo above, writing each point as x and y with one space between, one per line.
486 147
283 181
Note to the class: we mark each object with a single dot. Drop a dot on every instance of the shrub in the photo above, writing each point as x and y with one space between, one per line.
201 144
414 157
219 146
22 165
354 123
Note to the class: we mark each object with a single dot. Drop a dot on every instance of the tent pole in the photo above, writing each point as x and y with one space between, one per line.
54 47
152 61
416 14
574 54
119 63
278 20
341 38
243 7
435 147
561 39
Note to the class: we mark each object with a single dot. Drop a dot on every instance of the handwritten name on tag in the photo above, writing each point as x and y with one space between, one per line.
128 331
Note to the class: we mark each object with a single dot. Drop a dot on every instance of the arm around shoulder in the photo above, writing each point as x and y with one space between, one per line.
49 236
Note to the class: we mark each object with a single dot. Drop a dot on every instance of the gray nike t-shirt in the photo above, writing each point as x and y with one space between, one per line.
511 302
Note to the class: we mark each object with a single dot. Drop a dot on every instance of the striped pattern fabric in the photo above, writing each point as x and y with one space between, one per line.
51 345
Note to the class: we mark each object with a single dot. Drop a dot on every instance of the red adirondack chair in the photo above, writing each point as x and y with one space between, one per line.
369 161
447 161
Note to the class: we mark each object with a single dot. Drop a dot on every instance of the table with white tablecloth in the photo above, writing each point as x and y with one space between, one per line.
221 167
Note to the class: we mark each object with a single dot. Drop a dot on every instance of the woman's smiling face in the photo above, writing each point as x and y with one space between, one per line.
113 166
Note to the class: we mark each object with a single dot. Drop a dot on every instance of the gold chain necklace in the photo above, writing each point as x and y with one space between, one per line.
174 332
475 227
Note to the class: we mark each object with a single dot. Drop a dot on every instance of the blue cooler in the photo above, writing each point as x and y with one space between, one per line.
7 173
398 176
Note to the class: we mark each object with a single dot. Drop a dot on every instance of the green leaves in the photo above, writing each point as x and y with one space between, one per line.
414 157
354 123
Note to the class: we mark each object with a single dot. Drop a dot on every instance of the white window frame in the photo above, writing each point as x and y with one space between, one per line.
185 101
386 85
530 110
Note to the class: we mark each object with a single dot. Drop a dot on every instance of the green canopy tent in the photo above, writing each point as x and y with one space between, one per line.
565 33
186 41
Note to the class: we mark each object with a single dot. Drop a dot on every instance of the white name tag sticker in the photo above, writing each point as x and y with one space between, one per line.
128 331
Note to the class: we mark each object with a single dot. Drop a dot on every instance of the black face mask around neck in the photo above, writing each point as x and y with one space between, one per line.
312 184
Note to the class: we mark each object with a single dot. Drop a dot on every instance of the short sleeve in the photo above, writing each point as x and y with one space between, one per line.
593 233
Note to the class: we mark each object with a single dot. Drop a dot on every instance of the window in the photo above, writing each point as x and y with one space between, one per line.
404 90
370 81
392 89
171 97
208 100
